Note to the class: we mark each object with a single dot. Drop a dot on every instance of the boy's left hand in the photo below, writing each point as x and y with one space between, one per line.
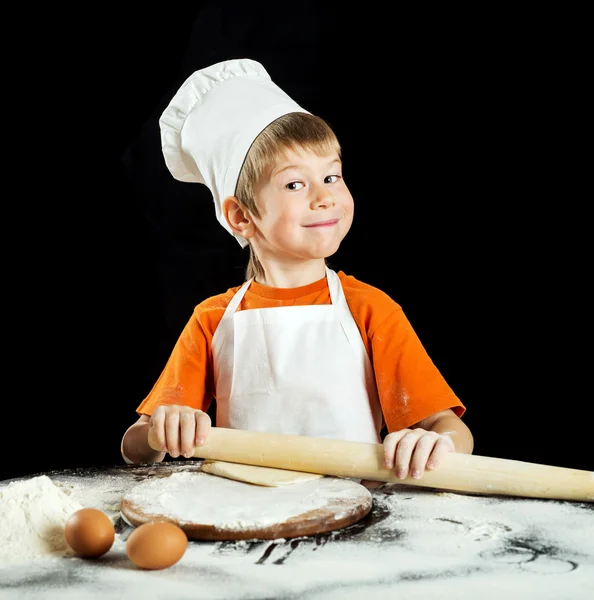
411 451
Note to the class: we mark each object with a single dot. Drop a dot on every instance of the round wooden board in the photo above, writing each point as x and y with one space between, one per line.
212 508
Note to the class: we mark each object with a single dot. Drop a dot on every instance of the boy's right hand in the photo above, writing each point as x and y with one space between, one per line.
179 429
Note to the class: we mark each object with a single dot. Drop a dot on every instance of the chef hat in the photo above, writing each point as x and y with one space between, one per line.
213 119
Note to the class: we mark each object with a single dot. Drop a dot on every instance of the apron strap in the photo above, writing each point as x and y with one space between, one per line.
348 324
237 298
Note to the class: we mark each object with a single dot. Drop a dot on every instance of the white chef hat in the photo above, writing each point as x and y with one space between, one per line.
213 119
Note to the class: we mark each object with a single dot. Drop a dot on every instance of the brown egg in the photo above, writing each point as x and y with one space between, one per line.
89 532
156 545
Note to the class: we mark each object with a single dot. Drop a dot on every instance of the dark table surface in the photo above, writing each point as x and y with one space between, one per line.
415 543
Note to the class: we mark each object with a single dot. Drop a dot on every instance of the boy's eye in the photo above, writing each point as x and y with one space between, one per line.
297 185
294 185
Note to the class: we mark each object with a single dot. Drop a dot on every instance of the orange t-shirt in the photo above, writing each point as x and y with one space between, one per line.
409 385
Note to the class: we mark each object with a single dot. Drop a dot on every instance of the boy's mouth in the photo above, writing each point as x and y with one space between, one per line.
326 223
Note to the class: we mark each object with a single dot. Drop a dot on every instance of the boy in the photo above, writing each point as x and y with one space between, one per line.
298 348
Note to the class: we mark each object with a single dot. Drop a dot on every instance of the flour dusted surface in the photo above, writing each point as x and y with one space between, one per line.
415 544
33 513
195 497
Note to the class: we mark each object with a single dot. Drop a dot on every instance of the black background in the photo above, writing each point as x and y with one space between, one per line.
463 138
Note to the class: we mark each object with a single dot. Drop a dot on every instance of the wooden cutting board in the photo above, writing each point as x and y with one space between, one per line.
208 507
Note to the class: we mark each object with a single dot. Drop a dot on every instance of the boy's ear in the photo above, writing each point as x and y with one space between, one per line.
238 217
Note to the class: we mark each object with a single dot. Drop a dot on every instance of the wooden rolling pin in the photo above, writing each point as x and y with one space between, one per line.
459 472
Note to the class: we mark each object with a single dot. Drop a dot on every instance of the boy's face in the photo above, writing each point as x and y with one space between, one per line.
305 207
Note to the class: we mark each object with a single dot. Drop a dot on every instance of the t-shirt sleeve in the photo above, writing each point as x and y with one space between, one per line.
410 386
186 378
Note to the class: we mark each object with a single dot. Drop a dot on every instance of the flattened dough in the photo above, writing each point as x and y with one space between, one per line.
265 476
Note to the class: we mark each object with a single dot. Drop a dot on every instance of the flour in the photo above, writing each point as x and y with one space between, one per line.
189 498
32 518
415 544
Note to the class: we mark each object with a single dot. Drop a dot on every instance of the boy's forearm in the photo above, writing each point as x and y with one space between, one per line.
457 430
135 447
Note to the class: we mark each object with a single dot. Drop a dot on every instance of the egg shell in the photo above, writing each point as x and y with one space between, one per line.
89 532
156 545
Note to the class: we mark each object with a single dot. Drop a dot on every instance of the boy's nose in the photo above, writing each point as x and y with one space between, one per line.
323 198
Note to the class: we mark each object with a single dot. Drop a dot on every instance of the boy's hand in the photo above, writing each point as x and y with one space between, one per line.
411 451
179 429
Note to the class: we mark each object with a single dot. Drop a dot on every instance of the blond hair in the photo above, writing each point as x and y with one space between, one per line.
289 132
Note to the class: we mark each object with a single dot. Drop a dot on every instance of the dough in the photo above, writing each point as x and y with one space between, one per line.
265 476
214 508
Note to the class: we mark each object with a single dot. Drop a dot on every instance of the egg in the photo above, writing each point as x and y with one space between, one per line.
89 532
156 545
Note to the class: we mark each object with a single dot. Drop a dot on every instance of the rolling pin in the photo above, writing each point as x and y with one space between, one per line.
458 472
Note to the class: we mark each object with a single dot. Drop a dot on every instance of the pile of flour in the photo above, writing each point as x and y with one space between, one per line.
33 514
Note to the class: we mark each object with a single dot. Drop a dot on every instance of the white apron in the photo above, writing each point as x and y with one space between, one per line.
300 370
